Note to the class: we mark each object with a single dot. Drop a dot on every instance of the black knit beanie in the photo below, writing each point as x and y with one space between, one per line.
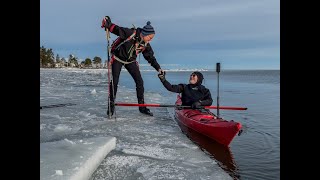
147 29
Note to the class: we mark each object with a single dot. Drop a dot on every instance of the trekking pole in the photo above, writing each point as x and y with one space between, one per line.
110 78
108 62
218 70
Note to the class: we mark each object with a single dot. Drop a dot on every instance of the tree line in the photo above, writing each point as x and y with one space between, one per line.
49 60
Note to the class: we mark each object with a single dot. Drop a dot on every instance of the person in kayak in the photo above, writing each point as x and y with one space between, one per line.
193 94
124 51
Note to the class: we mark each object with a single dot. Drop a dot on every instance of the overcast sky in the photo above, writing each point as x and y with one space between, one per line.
241 34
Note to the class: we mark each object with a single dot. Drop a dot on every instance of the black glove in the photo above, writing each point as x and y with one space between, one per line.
196 105
162 76
106 23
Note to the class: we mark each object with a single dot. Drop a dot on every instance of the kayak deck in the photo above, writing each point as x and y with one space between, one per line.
206 123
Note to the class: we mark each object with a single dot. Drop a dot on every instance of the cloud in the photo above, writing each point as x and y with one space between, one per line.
185 25
217 9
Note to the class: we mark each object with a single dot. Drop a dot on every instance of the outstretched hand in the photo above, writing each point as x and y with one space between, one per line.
162 75
161 71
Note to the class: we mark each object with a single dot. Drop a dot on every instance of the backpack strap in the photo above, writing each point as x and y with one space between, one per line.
128 39
123 62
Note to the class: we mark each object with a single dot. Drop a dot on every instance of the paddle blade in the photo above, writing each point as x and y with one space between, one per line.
218 67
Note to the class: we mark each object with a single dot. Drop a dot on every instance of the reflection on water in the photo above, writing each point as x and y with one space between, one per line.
218 152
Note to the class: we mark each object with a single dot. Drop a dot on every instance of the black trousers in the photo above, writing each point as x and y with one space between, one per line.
134 71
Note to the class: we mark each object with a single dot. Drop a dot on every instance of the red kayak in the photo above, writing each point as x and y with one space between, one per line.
206 123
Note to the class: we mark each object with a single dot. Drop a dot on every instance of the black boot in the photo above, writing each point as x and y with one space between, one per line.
111 108
146 111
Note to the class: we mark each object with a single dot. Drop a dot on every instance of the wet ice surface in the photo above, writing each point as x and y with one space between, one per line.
147 147
154 148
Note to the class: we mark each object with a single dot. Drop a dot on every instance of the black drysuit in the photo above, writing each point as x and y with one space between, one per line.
127 52
191 93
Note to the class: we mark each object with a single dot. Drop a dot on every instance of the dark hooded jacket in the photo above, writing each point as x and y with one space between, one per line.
123 51
191 93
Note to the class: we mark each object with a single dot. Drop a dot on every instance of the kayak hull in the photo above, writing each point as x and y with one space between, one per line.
206 123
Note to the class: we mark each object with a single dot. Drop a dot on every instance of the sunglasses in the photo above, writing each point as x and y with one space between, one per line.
193 75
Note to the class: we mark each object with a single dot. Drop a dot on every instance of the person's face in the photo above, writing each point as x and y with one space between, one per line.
147 38
193 78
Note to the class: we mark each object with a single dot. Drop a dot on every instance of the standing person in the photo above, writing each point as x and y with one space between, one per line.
124 51
193 94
